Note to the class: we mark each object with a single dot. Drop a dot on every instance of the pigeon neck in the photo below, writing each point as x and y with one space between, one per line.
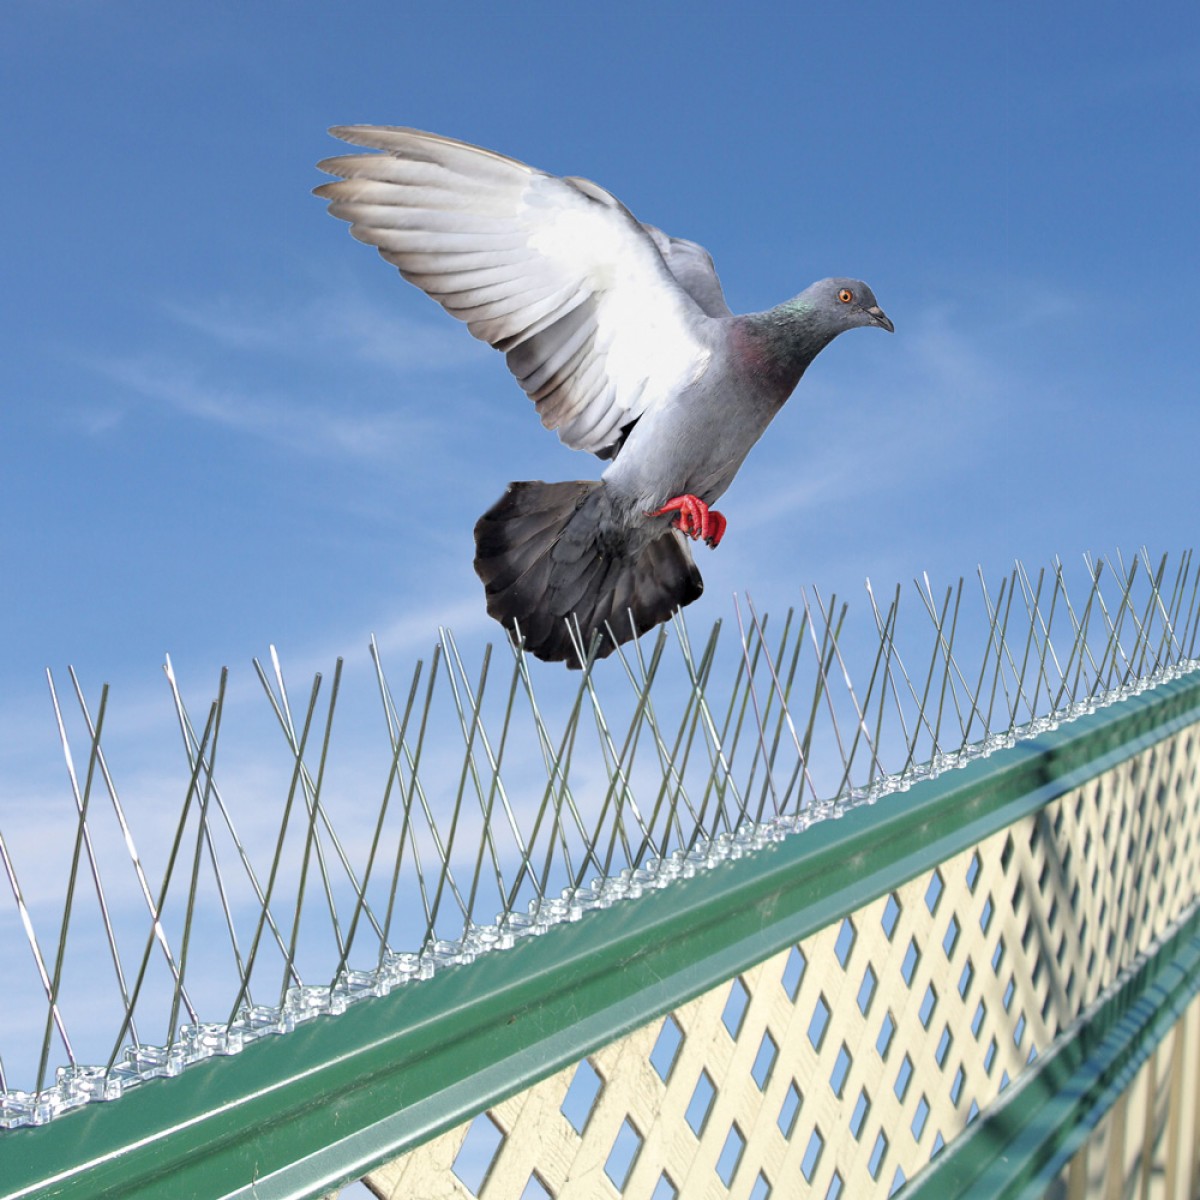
783 340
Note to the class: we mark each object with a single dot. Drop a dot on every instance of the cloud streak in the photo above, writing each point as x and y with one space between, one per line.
341 324
307 427
335 348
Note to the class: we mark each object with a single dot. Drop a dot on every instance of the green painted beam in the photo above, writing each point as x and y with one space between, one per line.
296 1115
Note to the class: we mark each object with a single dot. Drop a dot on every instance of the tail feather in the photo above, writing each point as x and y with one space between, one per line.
570 595
493 539
548 553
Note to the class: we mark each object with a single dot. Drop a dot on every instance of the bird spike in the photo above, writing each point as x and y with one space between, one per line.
509 799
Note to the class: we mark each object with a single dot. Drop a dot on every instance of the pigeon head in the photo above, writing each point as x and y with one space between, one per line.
842 304
781 342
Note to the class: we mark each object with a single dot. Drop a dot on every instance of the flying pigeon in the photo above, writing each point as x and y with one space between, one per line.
621 337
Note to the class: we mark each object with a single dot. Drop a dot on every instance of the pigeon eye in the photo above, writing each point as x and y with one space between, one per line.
845 295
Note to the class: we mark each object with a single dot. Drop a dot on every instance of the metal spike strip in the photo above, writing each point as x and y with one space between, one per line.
513 800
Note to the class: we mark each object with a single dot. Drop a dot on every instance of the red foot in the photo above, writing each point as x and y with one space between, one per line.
695 518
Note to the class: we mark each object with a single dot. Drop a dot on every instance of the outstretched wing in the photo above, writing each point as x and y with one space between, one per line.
555 273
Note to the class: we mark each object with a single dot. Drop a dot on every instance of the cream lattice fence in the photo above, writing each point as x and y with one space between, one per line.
844 1064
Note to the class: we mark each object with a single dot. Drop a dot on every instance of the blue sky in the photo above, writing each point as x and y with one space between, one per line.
224 424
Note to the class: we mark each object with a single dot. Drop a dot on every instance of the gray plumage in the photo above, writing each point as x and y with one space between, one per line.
622 338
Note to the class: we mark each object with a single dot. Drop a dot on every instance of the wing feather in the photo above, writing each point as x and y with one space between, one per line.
596 322
539 363
693 267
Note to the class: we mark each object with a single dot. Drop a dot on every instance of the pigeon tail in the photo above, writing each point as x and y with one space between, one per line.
550 554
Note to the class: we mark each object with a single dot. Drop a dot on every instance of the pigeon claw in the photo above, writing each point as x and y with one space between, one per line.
695 519
716 528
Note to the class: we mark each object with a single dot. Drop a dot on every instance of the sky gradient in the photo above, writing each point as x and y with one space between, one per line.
225 423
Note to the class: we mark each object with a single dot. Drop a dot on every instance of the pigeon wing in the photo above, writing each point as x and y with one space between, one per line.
693 269
555 273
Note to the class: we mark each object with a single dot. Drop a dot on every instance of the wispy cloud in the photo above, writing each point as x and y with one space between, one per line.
400 638
336 352
311 428
342 323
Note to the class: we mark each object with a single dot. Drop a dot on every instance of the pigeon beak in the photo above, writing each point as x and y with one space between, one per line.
880 318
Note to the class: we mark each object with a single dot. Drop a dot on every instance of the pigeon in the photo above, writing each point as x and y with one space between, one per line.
621 337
